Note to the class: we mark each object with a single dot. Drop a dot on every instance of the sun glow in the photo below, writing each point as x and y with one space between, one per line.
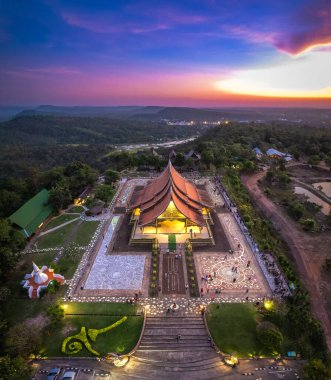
304 76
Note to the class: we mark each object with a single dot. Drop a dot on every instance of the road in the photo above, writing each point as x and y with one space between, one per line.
300 243
253 369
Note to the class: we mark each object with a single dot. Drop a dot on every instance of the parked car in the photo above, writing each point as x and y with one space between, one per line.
69 375
53 373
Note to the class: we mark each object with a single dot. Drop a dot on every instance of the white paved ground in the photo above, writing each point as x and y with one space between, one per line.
116 272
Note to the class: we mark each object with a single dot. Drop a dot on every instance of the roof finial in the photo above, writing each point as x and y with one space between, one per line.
35 267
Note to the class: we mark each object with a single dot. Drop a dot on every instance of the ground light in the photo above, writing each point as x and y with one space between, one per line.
231 360
268 304
121 361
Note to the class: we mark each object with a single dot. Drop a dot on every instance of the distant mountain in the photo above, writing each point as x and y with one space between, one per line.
157 113
7 113
120 112
283 115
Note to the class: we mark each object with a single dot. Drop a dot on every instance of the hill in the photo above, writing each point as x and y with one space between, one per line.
37 130
319 117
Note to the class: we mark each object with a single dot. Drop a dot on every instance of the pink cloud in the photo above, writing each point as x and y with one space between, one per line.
250 35
62 70
33 73
309 27
100 24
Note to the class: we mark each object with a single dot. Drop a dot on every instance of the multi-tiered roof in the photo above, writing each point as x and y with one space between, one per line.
171 186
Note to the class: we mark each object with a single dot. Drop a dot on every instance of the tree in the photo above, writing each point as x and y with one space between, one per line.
9 202
309 224
14 368
59 197
111 176
4 293
295 209
283 178
248 166
55 312
79 175
23 339
179 159
269 336
315 369
270 175
104 193
11 242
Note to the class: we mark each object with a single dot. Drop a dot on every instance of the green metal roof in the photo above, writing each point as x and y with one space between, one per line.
32 213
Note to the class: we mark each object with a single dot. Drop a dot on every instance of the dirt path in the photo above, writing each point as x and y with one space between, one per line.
308 250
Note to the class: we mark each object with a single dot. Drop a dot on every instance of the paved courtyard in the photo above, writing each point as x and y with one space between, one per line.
227 272
115 272
233 272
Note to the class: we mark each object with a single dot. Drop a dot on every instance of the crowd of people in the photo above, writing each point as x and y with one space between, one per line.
267 264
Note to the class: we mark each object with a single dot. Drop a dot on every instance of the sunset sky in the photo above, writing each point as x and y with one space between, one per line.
182 53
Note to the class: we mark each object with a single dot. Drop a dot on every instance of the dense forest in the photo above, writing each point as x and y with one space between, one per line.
45 130
25 166
234 142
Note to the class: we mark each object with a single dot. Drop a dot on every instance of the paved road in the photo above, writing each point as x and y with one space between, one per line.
301 247
261 369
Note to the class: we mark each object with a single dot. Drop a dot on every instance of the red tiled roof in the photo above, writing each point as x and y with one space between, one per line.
170 185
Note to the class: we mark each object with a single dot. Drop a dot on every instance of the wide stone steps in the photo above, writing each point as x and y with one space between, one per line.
162 356
183 366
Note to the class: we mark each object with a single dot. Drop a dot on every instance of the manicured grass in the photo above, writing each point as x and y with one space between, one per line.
120 339
55 238
233 328
16 310
68 265
60 220
84 233
100 308
19 306
25 267
76 209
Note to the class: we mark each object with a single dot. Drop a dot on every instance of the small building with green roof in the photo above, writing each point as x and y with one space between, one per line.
32 214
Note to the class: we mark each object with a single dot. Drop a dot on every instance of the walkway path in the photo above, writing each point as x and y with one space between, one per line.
301 246
57 227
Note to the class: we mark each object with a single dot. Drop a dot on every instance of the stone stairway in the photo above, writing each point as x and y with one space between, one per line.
161 356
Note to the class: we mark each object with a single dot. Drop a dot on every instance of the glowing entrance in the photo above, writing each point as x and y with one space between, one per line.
170 204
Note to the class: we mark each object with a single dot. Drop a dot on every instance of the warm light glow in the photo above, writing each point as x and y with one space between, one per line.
268 304
136 211
313 47
303 76
121 361
231 360
65 307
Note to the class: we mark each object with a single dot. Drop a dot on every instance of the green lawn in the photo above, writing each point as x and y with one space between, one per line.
85 232
120 339
24 267
16 310
19 306
76 209
67 266
56 238
100 308
60 220
233 328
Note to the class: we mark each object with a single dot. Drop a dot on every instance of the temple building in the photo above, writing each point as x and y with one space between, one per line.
171 205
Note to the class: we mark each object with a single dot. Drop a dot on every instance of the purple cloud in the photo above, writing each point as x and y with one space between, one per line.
309 27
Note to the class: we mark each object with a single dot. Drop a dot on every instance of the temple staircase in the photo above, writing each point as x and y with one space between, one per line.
161 355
